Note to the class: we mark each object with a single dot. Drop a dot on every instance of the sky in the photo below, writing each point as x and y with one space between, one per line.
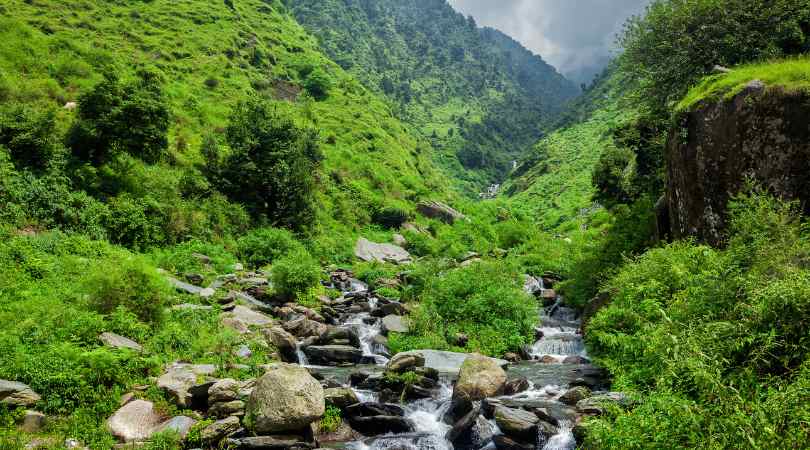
575 36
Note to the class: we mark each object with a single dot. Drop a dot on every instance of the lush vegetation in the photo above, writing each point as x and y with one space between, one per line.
479 96
714 340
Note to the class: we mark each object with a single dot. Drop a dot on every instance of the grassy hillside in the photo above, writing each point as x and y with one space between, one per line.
479 95
210 56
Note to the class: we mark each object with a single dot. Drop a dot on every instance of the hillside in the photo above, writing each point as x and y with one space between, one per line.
52 52
481 97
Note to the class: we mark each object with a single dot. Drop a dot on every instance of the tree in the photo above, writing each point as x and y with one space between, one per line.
272 165
117 117
318 84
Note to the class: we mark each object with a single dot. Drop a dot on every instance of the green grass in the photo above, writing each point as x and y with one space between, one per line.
790 74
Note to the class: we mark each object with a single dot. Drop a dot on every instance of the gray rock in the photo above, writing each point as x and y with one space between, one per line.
249 317
303 327
396 324
225 409
278 442
399 240
181 425
479 377
135 421
191 307
286 398
503 442
224 390
184 287
440 211
517 423
341 397
284 342
371 251
116 341
33 422
596 405
403 362
575 395
219 430
180 380
17 394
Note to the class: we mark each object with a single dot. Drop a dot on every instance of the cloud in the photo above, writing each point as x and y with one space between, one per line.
575 36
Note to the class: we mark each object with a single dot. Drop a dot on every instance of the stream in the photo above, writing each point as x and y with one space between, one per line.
559 361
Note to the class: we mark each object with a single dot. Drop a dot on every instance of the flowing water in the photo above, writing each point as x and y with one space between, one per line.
549 378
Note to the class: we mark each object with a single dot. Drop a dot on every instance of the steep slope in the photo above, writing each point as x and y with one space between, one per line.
480 96
210 56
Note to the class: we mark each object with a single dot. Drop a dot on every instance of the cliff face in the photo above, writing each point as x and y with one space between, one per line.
761 133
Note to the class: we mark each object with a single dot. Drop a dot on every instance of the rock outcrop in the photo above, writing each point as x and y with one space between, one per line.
372 251
761 133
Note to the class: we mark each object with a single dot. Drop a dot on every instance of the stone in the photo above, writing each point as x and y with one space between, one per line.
224 390
334 334
284 342
503 442
575 359
70 106
447 362
303 327
249 317
278 442
440 211
33 422
219 430
403 362
462 426
516 386
511 357
135 421
225 409
548 359
596 404
181 425
399 240
116 341
575 395
286 398
126 398
13 393
374 419
393 308
191 307
479 377
235 324
184 287
384 253
331 355
396 324
460 340
478 436
180 380
341 397
194 278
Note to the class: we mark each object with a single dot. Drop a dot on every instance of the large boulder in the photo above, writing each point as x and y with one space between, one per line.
13 393
284 342
117 341
517 423
439 211
760 133
372 251
374 419
480 377
135 421
286 399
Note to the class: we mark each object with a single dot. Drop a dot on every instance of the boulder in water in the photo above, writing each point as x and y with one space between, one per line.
478 436
278 442
517 423
403 362
333 355
575 395
575 359
448 362
503 442
479 377
516 386
303 327
462 426
341 397
374 419
286 398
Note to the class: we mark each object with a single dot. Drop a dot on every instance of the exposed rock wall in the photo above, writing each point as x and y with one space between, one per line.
762 133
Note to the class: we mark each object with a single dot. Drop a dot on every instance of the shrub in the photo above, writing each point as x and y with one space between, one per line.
264 246
331 420
295 274
272 165
30 136
318 83
130 283
390 217
128 117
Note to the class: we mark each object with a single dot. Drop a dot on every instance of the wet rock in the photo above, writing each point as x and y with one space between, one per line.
532 285
516 386
462 426
340 397
219 430
377 425
575 395
488 407
439 211
278 442
478 436
334 334
403 362
396 324
180 425
13 393
517 423
303 327
545 415
548 359
284 342
574 359
371 251
135 421
511 357
331 355
448 362
479 377
503 442
286 398
33 422
117 341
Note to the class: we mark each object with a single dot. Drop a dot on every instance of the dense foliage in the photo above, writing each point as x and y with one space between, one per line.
479 95
716 340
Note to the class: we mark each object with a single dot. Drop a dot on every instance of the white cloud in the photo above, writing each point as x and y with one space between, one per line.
575 36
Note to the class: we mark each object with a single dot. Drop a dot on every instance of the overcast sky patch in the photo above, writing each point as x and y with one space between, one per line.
575 36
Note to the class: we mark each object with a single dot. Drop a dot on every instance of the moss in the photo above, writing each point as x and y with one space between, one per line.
790 74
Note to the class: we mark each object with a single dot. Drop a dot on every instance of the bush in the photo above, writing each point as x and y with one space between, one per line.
264 246
390 217
30 136
318 83
331 420
128 117
272 165
295 274
128 283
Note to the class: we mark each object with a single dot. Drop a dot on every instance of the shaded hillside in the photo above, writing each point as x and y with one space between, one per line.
481 96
